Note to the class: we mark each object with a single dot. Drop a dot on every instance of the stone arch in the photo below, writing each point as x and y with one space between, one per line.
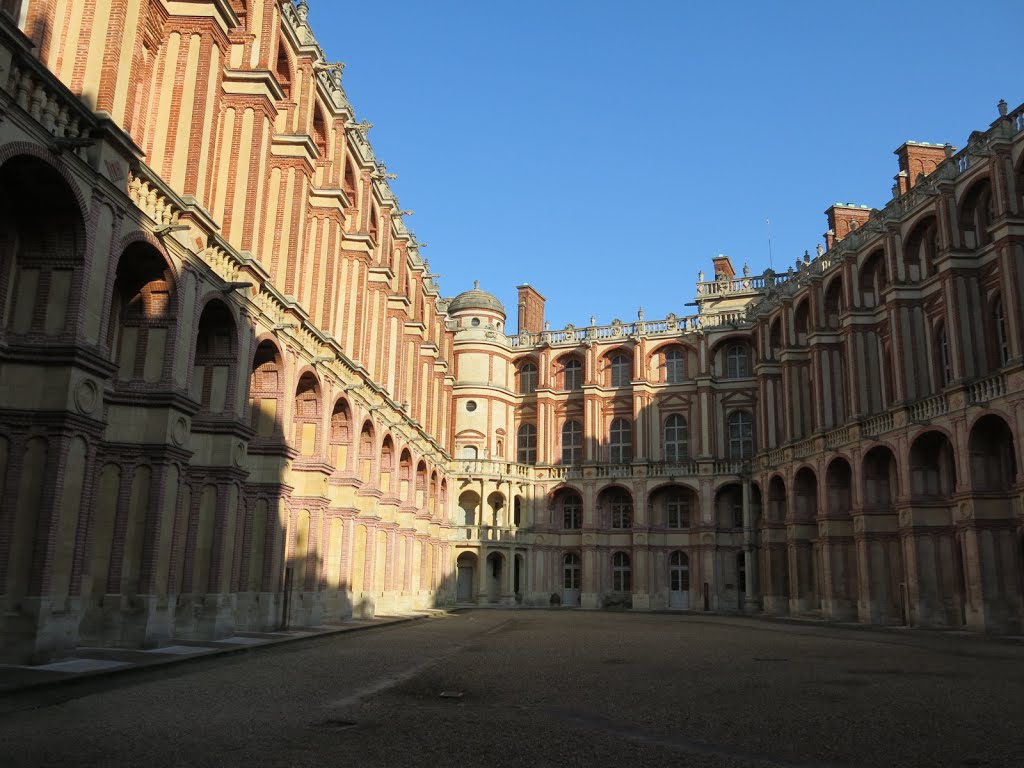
993 455
496 576
140 333
839 488
976 214
805 495
497 514
307 415
777 500
802 322
566 507
733 357
386 467
469 510
880 479
405 478
215 363
42 246
421 486
932 466
341 433
670 363
266 391
920 249
729 506
673 505
835 303
366 452
283 70
873 279
616 367
615 507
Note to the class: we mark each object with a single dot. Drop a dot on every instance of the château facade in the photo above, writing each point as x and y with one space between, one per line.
232 396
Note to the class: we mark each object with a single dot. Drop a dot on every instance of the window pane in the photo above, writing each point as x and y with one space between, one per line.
620 371
674 366
573 375
528 379
526 452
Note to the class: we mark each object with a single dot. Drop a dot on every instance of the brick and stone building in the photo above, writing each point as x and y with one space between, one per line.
232 396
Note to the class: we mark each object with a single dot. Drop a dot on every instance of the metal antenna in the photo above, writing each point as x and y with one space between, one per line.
769 223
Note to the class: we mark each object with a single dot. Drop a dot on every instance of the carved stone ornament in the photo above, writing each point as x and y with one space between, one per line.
858 524
708 538
179 432
588 539
87 397
904 517
640 538
239 454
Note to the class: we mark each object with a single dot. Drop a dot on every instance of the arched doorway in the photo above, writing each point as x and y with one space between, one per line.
571 579
495 575
465 569
679 580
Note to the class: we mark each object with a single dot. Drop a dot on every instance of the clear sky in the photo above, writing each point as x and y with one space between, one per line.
605 151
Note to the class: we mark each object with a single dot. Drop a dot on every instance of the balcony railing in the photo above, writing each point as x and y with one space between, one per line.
485 533
986 390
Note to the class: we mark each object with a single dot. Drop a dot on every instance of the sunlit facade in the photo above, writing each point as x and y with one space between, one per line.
234 398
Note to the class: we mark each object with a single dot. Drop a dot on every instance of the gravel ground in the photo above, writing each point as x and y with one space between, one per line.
540 688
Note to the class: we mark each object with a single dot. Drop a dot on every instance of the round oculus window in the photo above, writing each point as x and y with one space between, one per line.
475 322
471 405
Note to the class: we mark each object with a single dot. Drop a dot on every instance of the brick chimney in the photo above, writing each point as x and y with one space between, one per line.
843 218
531 309
723 267
917 159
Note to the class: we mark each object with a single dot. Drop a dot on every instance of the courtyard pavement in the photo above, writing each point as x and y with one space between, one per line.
548 688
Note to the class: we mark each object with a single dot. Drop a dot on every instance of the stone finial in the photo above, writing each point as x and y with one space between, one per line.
302 9
700 276
476 285
640 313
593 319
807 257
1001 106
746 269
821 249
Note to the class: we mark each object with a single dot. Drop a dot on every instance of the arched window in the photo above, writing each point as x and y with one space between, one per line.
572 512
620 441
741 435
526 444
528 379
736 362
678 507
572 442
673 366
572 375
620 369
676 448
622 575
620 506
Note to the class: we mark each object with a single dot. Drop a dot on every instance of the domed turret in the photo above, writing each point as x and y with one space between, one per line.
476 299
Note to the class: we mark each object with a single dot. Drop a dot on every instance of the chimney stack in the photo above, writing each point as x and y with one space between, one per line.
531 309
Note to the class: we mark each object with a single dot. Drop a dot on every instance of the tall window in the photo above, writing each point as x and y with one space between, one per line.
573 375
572 442
526 445
741 435
572 512
620 505
1002 343
679 572
571 571
622 575
528 379
621 373
678 510
737 363
675 438
945 366
620 442
674 366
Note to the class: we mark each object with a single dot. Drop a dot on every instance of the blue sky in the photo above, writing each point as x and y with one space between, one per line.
604 152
